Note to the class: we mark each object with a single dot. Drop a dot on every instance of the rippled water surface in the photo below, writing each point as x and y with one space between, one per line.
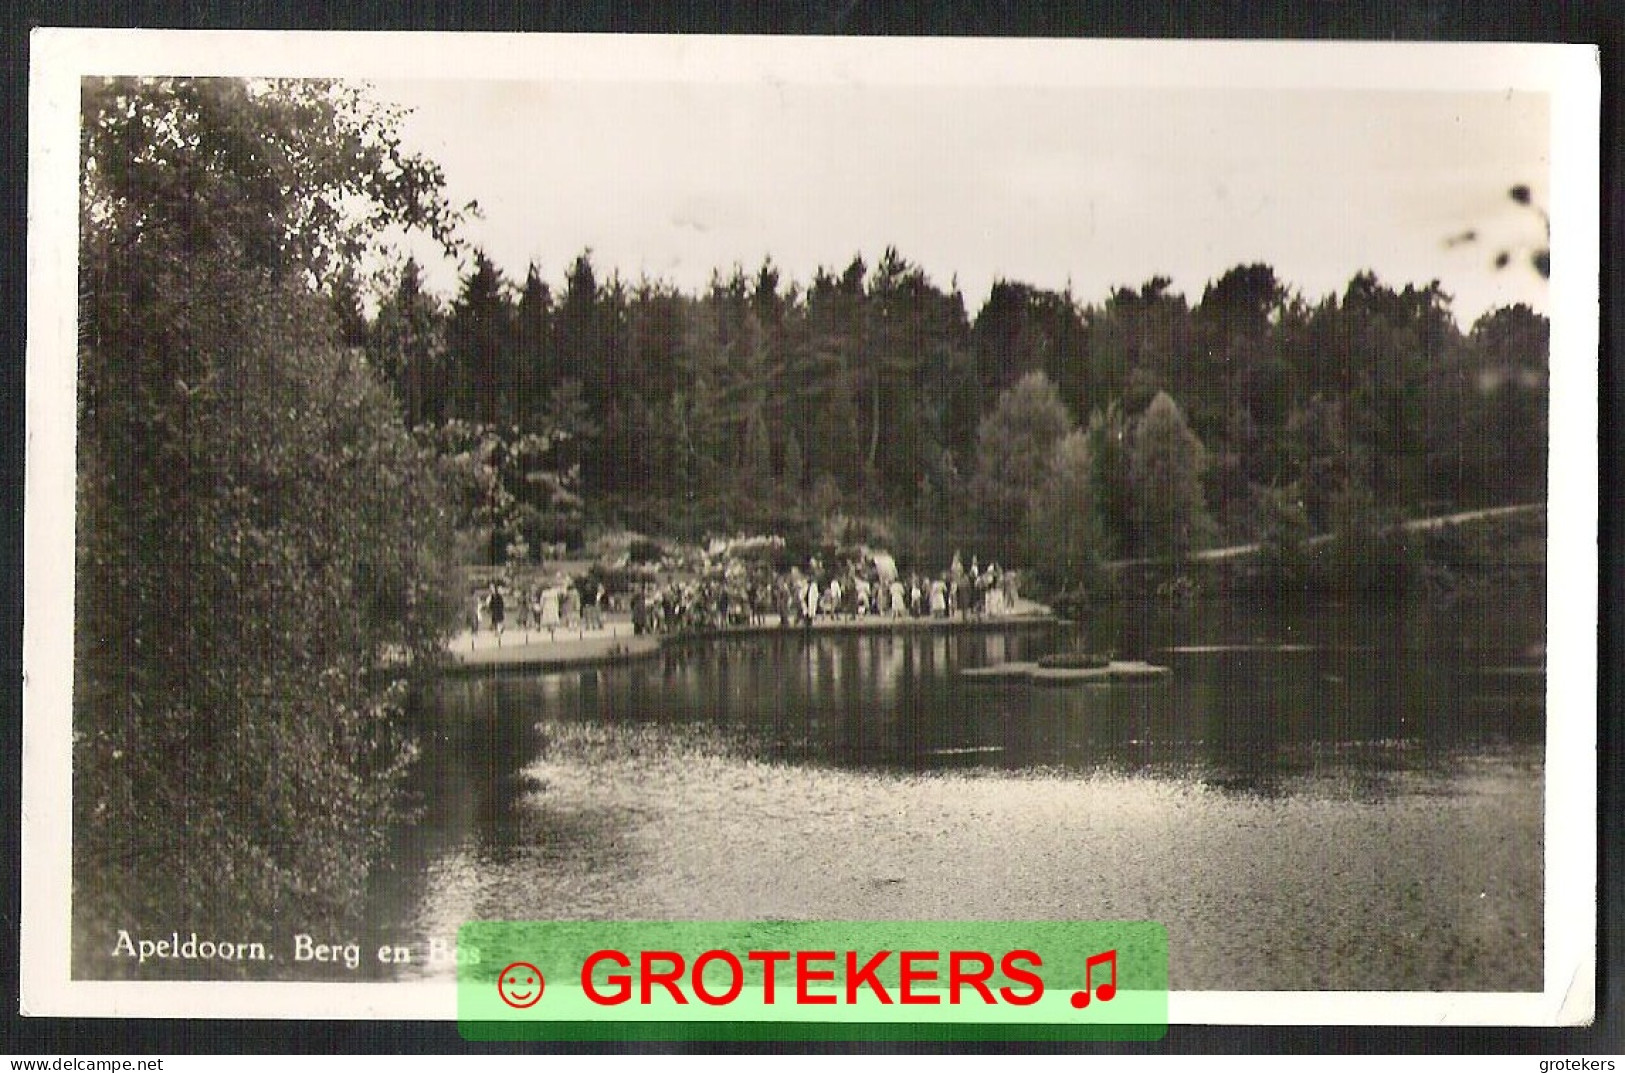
1327 800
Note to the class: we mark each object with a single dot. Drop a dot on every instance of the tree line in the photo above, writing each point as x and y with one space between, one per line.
769 403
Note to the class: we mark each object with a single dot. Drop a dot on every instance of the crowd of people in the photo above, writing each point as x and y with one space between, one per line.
736 593
870 587
559 604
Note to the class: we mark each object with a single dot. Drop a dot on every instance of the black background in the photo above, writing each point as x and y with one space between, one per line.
1436 20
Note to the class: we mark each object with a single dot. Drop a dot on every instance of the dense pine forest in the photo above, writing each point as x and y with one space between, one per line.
1048 428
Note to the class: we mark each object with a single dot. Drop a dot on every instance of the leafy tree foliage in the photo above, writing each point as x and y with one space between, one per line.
870 385
1284 530
1065 534
1015 445
407 345
1501 387
257 530
1110 442
1166 464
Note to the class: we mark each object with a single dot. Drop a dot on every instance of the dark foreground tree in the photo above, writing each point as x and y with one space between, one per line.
256 530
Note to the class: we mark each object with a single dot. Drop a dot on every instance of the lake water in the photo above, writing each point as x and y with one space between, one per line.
1329 799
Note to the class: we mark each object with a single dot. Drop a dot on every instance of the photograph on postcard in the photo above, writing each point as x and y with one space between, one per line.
561 497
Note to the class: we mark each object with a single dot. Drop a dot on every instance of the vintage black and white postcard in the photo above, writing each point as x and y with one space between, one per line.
500 478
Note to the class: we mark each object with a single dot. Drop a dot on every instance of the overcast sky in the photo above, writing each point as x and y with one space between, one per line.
1095 187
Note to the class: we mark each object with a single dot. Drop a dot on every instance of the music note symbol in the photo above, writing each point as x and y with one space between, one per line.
1080 999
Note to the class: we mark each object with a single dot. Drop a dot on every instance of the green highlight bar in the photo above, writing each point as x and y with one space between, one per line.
783 980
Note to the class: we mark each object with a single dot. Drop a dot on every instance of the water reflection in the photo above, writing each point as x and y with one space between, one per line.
1350 750
1375 691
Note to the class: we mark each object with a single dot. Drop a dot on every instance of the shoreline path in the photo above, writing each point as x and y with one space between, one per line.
563 647
1414 525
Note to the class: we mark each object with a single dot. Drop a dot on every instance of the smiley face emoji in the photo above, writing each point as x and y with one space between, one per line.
520 985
